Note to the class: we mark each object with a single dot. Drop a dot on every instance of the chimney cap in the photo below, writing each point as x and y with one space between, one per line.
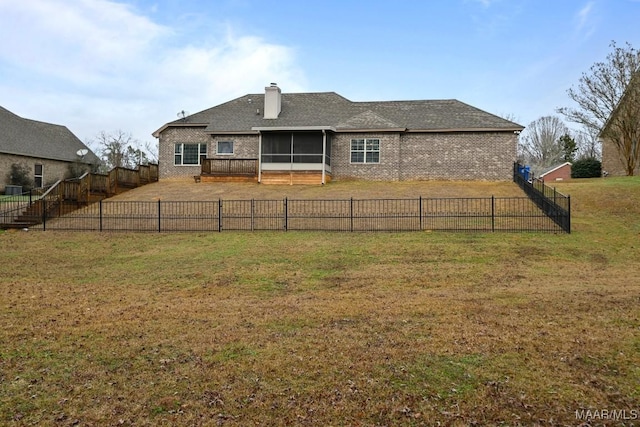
274 84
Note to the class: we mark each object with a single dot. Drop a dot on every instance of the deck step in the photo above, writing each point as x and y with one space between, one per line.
219 178
293 178
18 225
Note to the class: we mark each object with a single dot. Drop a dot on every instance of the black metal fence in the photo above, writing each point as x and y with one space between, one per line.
488 214
40 204
13 206
552 203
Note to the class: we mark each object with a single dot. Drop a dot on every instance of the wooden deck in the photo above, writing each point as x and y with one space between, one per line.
72 194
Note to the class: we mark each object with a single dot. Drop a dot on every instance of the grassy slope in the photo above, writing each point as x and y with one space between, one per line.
324 328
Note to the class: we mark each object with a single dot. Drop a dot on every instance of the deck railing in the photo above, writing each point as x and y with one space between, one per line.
230 167
39 204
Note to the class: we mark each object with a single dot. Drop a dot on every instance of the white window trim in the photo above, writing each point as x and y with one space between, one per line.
41 175
365 151
233 148
181 154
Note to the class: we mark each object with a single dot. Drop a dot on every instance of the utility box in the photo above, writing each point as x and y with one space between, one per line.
13 190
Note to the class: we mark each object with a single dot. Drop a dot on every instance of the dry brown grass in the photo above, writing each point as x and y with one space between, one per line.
325 328
188 190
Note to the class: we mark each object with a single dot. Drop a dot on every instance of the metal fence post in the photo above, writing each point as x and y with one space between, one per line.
100 213
159 221
44 214
420 211
286 215
351 214
219 215
493 213
568 229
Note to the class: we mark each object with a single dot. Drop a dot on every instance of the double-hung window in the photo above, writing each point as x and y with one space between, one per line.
189 154
224 147
38 176
365 150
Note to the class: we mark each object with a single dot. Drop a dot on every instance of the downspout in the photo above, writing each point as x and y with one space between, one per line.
324 154
291 162
259 157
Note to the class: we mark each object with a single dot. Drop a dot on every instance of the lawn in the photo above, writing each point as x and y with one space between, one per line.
302 328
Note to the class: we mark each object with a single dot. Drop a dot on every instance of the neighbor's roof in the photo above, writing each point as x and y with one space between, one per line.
554 168
31 138
324 109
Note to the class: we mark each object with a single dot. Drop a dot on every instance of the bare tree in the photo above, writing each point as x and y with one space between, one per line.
541 143
152 152
588 144
119 149
510 116
598 95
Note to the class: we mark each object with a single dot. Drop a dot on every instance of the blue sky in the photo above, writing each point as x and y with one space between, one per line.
131 65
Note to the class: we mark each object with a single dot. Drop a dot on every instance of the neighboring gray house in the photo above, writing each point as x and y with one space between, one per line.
326 136
49 152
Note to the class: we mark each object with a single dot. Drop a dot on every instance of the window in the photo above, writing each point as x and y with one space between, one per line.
38 176
189 154
365 151
225 147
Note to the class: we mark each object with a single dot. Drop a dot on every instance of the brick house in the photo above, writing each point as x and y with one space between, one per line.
624 120
316 137
49 152
557 173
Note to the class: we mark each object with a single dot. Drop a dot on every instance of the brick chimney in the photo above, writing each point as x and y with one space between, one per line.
272 101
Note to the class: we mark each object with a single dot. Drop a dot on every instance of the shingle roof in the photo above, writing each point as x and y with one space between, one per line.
330 109
32 138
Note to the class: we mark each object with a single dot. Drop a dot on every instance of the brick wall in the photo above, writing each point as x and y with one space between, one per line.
563 173
166 150
386 170
458 155
53 170
244 147
452 155
611 162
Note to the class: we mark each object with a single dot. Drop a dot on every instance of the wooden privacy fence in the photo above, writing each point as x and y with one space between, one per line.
488 214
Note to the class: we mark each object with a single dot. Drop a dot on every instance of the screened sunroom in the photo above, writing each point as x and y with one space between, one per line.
295 150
